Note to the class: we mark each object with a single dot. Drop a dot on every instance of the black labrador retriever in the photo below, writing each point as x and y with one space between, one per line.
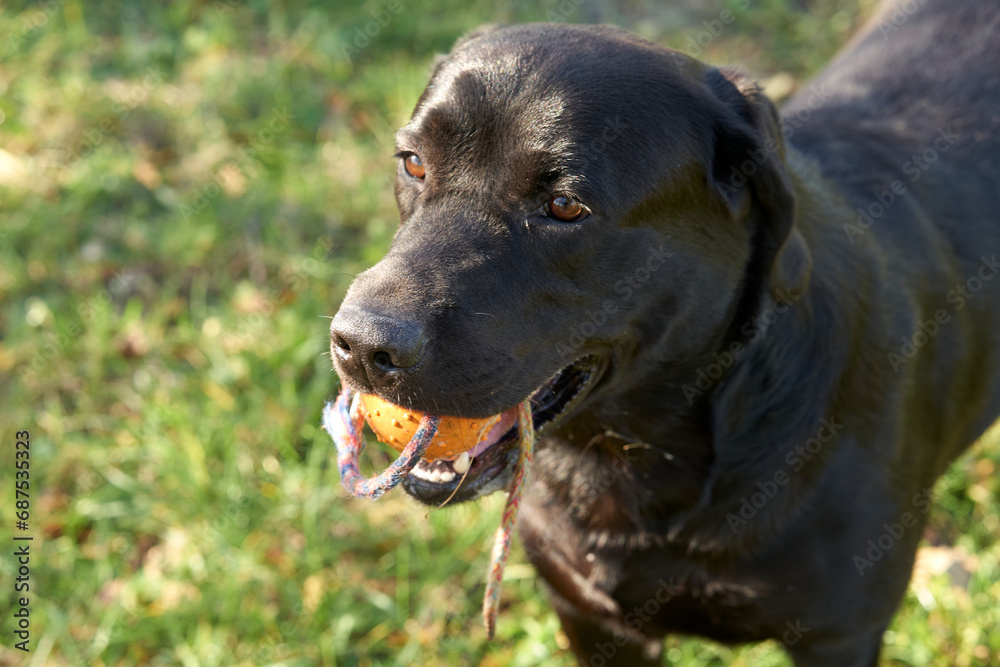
752 341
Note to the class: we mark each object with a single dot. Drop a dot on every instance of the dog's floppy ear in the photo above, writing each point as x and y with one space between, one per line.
748 171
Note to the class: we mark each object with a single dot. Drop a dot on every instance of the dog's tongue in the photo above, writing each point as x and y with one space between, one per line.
508 420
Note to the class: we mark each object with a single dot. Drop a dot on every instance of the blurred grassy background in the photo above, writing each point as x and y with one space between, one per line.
186 189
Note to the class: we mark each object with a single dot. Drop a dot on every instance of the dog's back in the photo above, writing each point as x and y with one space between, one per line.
922 74
906 121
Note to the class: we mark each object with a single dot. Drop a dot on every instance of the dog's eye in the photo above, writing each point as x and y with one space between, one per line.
565 209
414 166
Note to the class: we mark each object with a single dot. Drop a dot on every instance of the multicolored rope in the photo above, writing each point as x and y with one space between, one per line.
505 533
345 425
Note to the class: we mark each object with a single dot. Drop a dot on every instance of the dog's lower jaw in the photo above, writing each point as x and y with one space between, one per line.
491 469
429 495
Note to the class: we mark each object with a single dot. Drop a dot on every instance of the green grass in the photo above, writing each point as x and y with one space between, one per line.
162 301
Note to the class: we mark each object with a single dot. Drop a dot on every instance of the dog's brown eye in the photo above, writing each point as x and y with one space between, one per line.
414 167
565 209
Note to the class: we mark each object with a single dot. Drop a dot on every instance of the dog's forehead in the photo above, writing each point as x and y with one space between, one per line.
502 88
565 95
552 66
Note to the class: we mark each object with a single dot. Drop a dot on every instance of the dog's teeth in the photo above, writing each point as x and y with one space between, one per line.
462 463
433 473
421 473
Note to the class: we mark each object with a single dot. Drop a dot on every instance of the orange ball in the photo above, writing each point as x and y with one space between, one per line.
395 425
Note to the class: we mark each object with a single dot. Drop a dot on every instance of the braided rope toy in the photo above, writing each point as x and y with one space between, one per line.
345 424
505 532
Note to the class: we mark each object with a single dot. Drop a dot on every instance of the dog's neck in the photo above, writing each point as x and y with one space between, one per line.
707 436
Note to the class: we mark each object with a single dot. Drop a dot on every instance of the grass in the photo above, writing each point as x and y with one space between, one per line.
186 190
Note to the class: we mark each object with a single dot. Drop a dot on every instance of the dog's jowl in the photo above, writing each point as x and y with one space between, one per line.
751 346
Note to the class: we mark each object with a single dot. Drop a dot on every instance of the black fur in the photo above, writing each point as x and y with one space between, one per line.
762 352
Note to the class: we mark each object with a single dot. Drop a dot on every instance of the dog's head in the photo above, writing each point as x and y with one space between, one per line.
579 208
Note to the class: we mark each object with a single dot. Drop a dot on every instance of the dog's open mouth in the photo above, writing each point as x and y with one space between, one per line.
486 467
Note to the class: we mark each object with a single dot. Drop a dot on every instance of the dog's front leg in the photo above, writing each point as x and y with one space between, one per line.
594 643
860 651
591 618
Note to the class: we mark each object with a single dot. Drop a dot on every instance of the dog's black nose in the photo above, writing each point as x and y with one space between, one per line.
371 347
